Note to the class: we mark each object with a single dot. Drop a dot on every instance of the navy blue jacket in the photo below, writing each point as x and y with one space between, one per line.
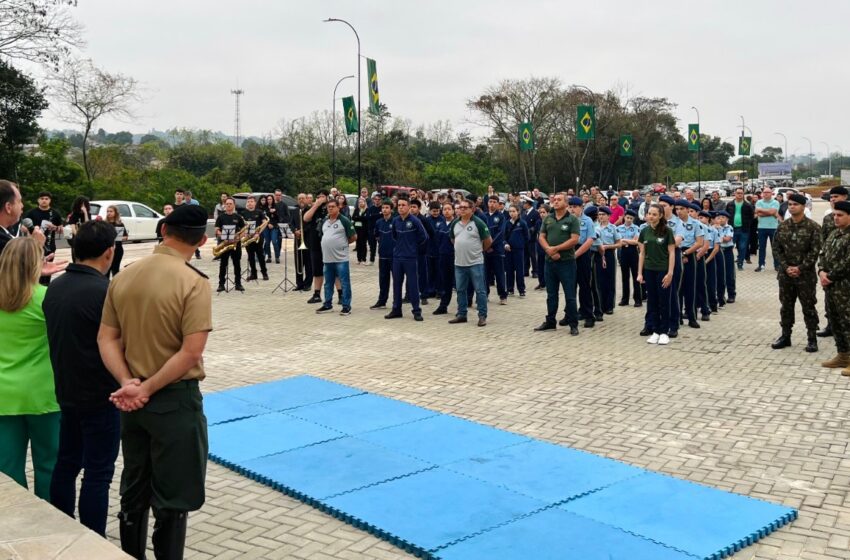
430 224
409 236
372 215
429 231
517 235
444 240
497 222
532 220
384 234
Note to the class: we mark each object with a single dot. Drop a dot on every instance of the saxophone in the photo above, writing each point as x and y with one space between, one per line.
256 236
226 246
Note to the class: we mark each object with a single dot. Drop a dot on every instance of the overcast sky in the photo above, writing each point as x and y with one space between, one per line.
783 65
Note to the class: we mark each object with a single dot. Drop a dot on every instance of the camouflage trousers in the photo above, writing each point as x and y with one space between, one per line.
838 313
803 288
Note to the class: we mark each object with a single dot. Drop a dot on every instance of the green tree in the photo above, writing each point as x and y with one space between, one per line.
21 103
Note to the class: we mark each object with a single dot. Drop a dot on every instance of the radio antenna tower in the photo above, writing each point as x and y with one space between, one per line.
238 93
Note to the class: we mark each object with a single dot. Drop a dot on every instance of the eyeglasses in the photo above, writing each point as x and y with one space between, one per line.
462 207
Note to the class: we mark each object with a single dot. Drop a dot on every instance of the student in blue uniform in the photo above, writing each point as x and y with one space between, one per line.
608 272
584 262
710 259
422 257
667 204
516 240
383 233
592 212
373 214
701 302
726 287
532 219
689 230
629 254
433 218
494 258
539 253
445 258
409 236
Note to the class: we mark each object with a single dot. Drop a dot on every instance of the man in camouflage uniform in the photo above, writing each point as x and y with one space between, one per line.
836 194
796 246
834 273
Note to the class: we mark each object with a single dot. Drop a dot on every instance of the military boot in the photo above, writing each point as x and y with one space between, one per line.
846 372
812 345
133 530
827 331
841 360
783 341
169 534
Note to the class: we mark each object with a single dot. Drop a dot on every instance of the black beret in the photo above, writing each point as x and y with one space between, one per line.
666 198
724 213
575 201
798 198
843 205
189 216
591 211
631 213
605 210
839 191
682 203
704 214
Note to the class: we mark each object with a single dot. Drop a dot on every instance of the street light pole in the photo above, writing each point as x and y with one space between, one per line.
785 153
811 164
829 158
333 141
699 156
359 122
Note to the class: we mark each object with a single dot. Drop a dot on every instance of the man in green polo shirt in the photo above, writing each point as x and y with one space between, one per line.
559 235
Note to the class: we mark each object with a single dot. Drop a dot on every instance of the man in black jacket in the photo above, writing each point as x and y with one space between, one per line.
741 218
90 428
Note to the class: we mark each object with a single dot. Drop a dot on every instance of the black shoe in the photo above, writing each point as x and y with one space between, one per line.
589 323
345 311
563 322
783 341
681 321
730 300
220 288
598 318
812 345
265 275
608 312
638 304
759 269
646 332
276 260
379 305
393 315
693 324
457 320
405 300
533 275
623 303
705 317
251 278
440 311
325 308
418 317
133 529
315 299
482 321
539 287
673 334
423 301
827 331
546 326
573 331
169 533
714 309
268 259
239 288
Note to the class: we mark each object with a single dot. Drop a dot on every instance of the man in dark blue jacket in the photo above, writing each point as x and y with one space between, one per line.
532 219
433 218
373 214
445 258
422 264
409 236
494 258
383 233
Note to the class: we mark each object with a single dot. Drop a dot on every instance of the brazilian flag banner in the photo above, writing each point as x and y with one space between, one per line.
349 109
585 122
627 145
526 137
744 144
374 97
693 137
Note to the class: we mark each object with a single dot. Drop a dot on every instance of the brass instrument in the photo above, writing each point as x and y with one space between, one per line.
302 246
229 245
256 235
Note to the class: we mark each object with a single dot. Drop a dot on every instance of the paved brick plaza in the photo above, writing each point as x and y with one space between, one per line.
717 406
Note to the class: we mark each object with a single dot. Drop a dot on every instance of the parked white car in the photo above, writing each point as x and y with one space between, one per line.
139 219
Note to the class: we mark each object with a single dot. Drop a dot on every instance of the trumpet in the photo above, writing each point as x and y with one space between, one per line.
302 246
229 245
256 235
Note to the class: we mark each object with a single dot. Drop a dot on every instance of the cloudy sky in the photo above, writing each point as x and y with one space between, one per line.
781 64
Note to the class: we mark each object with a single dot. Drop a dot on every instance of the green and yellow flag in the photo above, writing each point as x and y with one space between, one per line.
349 109
627 146
693 137
585 122
526 137
374 97
744 144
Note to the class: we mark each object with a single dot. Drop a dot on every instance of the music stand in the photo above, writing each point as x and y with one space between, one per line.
286 285
228 281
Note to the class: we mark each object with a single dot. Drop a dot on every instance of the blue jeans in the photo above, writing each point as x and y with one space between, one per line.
741 240
463 276
561 274
764 235
271 237
332 272
88 440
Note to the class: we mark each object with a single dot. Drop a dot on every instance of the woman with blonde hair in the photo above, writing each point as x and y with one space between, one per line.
29 413
121 234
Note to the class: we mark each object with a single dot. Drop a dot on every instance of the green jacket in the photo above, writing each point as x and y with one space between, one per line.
798 244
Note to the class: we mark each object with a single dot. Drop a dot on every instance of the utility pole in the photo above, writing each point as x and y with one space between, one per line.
238 120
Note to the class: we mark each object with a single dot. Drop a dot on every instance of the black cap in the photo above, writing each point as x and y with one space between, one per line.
189 216
843 205
631 213
839 191
798 198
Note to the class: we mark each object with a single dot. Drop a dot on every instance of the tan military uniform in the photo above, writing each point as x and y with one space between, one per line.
155 303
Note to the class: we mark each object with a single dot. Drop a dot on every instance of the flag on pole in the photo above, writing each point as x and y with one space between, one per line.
626 145
744 143
374 97
526 136
352 125
585 122
693 137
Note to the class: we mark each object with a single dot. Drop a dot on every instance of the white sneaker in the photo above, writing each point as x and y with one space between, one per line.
663 339
652 339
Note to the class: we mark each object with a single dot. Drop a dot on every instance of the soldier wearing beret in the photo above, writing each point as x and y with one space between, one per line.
156 319
834 274
796 246
836 194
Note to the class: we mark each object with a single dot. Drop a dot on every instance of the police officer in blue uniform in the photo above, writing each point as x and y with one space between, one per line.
445 258
532 219
494 258
607 273
711 258
726 285
383 233
689 231
409 236
432 219
629 254
596 253
702 277
584 262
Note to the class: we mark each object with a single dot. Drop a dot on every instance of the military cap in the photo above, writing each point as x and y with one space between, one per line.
798 198
668 199
187 216
695 206
682 203
575 201
839 191
704 214
723 213
605 210
631 213
591 211
843 205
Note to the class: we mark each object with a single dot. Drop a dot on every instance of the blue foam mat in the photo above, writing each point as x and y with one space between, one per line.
545 471
443 439
238 441
555 534
362 413
414 515
224 407
334 467
703 521
292 392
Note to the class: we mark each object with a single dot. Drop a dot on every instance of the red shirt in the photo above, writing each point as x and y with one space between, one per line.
617 213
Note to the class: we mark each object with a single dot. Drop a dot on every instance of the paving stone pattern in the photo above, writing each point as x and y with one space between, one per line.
717 406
